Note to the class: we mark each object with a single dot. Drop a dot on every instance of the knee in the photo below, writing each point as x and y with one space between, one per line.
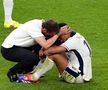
54 56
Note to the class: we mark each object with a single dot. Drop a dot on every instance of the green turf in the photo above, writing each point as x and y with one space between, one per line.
89 17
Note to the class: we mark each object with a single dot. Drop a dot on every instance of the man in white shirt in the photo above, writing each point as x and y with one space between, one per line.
72 57
22 44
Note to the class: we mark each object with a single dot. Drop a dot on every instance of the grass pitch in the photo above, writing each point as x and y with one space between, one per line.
88 17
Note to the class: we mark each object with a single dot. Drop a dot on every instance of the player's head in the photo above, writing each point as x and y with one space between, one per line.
64 26
50 27
61 25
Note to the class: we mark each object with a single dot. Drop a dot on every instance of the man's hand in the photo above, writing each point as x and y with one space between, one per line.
65 30
41 54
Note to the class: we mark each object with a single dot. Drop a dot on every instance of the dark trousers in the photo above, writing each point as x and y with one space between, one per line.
26 58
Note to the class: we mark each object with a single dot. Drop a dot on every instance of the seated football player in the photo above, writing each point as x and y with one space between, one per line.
72 58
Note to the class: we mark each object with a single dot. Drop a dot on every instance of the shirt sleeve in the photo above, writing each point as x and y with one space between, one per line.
35 32
70 44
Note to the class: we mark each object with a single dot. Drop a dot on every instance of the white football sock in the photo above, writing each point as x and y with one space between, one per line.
46 66
37 67
72 74
8 7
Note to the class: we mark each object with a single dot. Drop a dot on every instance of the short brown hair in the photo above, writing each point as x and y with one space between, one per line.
51 25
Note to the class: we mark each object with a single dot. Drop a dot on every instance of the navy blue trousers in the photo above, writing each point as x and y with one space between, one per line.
26 58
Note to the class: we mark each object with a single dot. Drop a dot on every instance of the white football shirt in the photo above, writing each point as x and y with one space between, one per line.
24 35
79 53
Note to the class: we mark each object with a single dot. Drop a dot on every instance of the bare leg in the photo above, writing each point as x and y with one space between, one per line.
60 60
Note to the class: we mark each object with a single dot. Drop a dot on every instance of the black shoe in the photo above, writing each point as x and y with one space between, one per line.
12 77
